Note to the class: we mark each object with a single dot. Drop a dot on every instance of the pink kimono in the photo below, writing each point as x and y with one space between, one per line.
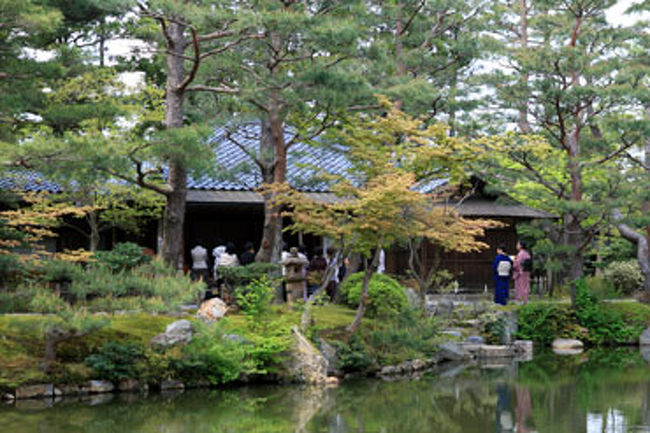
522 278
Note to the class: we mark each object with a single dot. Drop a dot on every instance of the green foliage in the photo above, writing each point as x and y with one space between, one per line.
493 325
605 325
240 276
255 299
601 288
409 335
150 287
387 296
45 301
14 302
544 322
352 356
625 276
123 256
61 270
116 361
223 357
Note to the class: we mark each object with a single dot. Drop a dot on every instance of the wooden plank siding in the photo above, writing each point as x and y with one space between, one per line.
472 270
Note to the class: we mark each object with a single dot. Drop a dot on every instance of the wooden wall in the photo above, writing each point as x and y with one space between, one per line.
472 270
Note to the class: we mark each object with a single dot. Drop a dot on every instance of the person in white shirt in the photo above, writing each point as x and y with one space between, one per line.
216 253
199 262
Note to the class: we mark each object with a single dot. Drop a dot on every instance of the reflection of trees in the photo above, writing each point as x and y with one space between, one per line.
561 394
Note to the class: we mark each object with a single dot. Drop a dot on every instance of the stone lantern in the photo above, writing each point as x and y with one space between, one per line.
294 275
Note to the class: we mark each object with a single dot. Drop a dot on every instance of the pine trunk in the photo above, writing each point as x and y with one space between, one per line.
174 216
575 236
271 245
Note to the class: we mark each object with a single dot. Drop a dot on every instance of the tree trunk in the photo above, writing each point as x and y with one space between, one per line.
575 235
174 215
642 252
271 245
94 231
363 301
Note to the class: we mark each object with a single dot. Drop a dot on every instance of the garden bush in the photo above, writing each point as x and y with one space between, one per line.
408 335
605 325
61 271
241 276
352 356
143 287
123 256
255 299
221 357
386 295
625 276
116 361
544 322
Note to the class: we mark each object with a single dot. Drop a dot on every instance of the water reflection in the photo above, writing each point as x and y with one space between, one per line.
595 393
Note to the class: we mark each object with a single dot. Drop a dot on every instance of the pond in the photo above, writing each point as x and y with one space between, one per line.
606 391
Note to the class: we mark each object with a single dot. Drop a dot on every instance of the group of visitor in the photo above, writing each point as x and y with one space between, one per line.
505 268
223 255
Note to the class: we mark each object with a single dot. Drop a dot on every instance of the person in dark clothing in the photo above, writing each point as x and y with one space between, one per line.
248 256
502 271
316 271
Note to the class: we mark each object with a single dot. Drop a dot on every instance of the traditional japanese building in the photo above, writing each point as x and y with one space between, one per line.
228 208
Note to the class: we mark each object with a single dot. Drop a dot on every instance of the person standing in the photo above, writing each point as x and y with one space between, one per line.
502 271
522 267
248 256
199 262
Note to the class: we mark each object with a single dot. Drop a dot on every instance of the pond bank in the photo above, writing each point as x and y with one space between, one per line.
548 394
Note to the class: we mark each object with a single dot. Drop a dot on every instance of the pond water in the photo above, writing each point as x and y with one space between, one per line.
606 391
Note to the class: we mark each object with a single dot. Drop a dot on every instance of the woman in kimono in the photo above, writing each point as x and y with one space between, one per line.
502 271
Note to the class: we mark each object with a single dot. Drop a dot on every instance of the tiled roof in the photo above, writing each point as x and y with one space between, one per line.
27 181
236 147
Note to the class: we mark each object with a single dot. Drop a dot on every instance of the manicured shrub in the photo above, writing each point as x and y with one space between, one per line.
142 287
605 325
14 302
625 276
61 271
125 255
386 295
544 322
116 361
241 276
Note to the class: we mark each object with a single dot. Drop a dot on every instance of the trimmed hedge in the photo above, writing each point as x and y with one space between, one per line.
386 295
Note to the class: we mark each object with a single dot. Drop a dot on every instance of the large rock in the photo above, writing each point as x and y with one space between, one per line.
415 301
644 339
492 351
566 346
34 391
175 333
98 387
305 364
131 385
645 353
166 385
331 356
212 310
452 351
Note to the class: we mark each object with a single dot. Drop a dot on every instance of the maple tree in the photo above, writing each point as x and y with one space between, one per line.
380 201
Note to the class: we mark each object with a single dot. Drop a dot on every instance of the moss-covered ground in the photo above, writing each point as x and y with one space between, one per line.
22 342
